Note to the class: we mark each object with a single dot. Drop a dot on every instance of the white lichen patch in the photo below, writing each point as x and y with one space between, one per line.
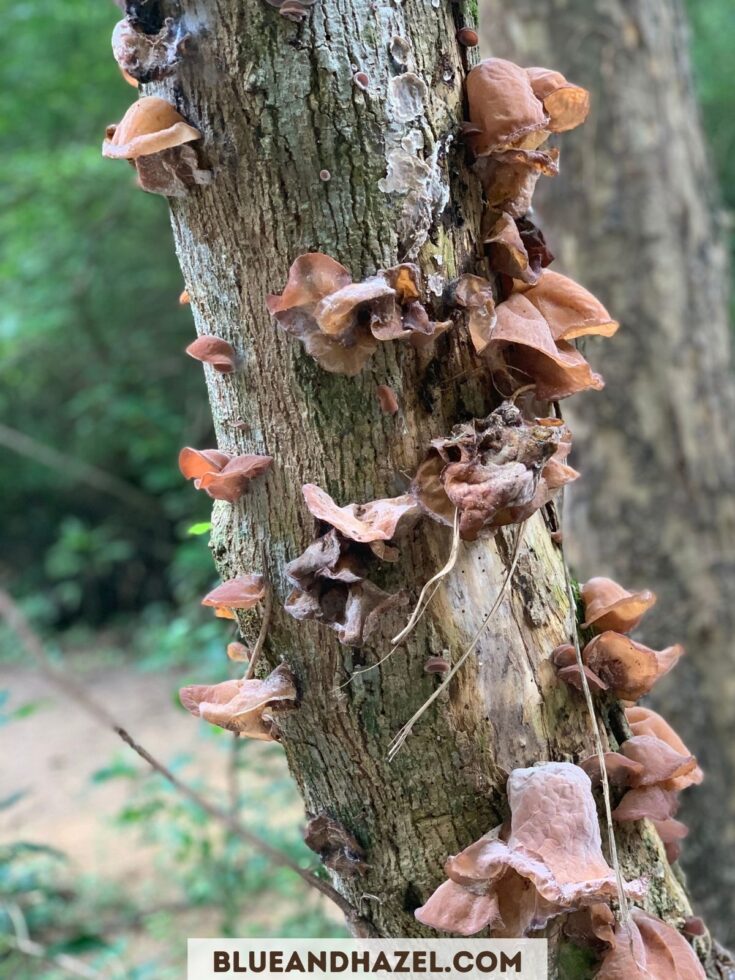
409 173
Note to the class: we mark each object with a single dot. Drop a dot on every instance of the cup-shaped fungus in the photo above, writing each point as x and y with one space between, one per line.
504 107
243 592
488 469
566 105
570 310
523 346
387 399
515 247
215 351
551 862
221 475
654 765
512 112
608 606
153 136
475 295
243 706
377 520
340 323
645 722
628 668
330 588
648 949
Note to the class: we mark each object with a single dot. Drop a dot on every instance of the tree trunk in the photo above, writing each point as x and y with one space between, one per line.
277 104
633 218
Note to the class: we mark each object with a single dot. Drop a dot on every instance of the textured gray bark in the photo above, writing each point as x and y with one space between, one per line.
277 104
633 217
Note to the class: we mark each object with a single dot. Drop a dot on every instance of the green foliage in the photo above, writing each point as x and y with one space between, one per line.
91 337
713 41
196 866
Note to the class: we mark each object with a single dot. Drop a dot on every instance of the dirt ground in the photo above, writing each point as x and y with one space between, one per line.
52 754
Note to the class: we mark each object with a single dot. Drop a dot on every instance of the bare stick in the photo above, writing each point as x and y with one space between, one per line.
419 609
403 734
15 619
260 642
23 943
599 749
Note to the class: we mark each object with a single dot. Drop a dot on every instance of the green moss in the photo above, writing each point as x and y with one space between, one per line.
575 963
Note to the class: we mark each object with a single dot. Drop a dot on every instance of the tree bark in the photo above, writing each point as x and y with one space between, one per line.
633 217
277 104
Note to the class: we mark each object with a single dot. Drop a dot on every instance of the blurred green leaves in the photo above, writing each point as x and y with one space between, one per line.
91 337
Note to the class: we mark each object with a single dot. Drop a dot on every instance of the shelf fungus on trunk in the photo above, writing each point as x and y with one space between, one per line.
243 592
512 112
550 861
608 606
614 662
654 765
330 586
648 949
515 247
215 351
155 138
341 322
494 471
223 476
246 707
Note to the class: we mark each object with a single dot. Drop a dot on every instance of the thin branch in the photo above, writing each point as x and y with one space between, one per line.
22 943
599 749
260 642
76 469
14 617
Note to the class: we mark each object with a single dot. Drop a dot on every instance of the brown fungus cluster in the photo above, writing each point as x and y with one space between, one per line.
654 766
612 660
493 471
247 707
223 476
548 862
512 113
341 322
648 949
156 139
329 579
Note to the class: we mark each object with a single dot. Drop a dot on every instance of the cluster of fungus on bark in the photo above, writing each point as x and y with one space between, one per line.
653 765
341 322
495 471
487 473
512 113
223 476
155 139
248 707
329 579
547 862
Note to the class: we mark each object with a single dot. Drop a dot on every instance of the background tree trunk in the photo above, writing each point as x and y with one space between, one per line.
633 217
277 104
